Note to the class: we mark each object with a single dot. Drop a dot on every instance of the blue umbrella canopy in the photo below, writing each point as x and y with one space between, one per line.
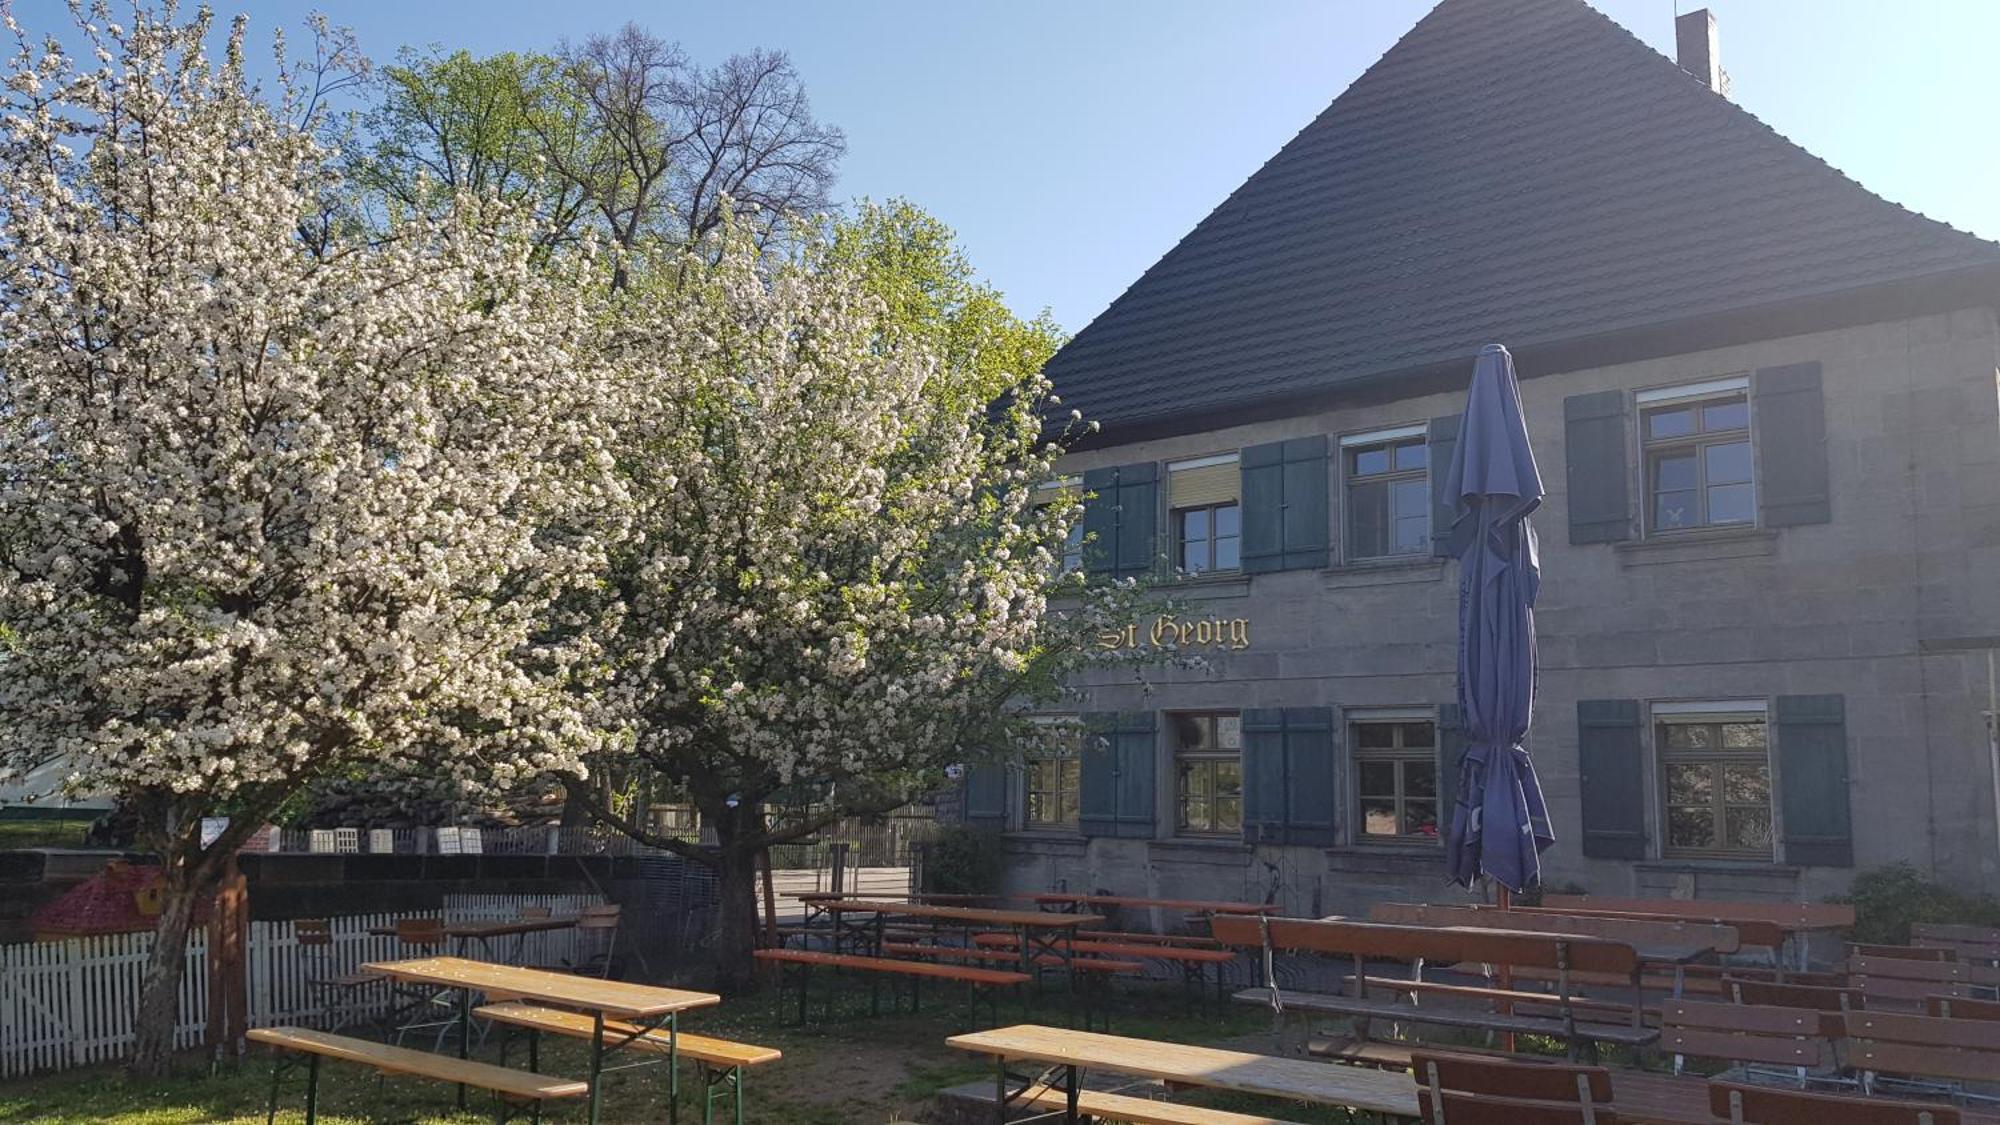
1500 823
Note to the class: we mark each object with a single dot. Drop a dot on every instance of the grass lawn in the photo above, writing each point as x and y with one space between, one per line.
856 1069
59 832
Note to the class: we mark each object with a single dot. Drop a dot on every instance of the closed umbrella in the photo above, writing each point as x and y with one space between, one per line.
1500 824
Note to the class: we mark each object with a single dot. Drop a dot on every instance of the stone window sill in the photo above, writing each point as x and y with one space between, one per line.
1718 866
1698 546
1208 587
1385 572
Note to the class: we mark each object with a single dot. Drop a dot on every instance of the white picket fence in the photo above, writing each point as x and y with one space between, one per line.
70 1003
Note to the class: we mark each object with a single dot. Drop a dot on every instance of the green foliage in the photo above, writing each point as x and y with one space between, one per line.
961 861
911 261
1889 900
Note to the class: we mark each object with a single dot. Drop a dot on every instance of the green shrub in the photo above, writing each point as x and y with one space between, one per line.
1889 900
961 861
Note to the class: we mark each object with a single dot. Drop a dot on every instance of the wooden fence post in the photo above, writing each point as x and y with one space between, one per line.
228 968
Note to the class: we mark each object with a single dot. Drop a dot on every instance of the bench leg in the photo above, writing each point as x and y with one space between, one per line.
312 1090
277 1071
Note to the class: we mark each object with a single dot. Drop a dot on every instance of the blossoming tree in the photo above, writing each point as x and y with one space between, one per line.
274 500
844 557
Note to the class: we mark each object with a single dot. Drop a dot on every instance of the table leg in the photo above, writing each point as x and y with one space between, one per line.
1000 1089
596 1062
1070 1093
464 1034
674 1068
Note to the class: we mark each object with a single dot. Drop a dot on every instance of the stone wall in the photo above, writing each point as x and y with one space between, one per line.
1892 604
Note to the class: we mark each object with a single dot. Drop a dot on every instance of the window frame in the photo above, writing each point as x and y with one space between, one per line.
1695 444
1177 518
1398 755
1351 478
1069 777
1212 758
1715 759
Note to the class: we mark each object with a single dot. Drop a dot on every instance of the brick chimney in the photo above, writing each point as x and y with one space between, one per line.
1697 50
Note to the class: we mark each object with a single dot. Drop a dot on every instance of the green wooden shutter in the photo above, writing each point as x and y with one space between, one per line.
1812 780
1594 437
1097 780
1100 522
1264 775
1304 522
1451 747
1263 546
986 796
1310 747
1135 741
1790 409
1138 520
1285 505
1612 763
1443 438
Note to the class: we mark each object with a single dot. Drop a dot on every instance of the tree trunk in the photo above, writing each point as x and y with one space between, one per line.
160 986
736 912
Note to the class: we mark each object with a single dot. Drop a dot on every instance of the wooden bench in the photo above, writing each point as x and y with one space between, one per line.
1768 994
1012 957
509 1085
1743 1034
1192 962
1957 1050
1903 982
1484 1090
804 961
1971 943
1140 1111
1664 934
1744 1104
1195 941
1953 1007
1912 952
1365 941
1751 933
720 1062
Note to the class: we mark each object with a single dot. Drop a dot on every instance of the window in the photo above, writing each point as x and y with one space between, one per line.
1207 539
1067 488
1205 494
1388 493
1715 780
1698 456
1208 765
1395 779
1051 777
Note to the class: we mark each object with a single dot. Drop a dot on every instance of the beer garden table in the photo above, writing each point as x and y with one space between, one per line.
1320 1082
1039 931
648 1007
486 933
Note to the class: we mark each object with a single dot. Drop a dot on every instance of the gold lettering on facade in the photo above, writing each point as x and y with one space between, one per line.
1167 630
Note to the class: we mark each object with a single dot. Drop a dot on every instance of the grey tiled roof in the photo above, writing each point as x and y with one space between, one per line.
1521 171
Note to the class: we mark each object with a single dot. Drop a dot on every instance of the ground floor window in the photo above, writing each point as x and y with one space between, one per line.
1715 779
1208 767
1051 776
1395 778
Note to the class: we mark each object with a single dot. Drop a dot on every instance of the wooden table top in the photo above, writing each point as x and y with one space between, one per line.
1190 905
506 927
612 997
1319 1081
1026 919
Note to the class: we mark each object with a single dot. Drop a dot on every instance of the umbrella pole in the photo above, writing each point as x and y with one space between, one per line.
1505 899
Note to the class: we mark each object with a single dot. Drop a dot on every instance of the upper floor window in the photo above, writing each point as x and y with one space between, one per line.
1208 769
1205 495
1699 460
1066 488
1715 778
1388 493
1395 778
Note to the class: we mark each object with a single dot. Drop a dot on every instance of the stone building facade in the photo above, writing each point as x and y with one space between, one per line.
1770 550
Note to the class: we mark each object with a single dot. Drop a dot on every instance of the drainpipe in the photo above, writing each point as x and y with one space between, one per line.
1993 736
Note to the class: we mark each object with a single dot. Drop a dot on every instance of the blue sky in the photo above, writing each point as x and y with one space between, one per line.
1072 142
